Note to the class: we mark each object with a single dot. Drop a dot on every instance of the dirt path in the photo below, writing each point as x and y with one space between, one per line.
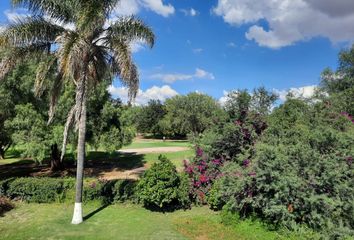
154 150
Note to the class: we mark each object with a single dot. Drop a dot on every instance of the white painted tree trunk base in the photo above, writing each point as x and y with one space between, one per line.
77 217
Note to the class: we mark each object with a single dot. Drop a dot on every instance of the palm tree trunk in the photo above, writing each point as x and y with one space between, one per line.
81 100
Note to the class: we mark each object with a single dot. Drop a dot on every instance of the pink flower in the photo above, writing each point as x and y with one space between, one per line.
203 178
199 152
216 161
189 170
246 162
201 168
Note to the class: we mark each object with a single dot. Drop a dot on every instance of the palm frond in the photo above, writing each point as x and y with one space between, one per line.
7 64
62 10
122 61
130 29
15 55
66 43
68 125
32 30
44 69
54 95
123 67
133 85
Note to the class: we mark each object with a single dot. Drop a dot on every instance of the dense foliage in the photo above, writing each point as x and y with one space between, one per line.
150 116
24 117
297 168
190 114
302 171
161 187
46 190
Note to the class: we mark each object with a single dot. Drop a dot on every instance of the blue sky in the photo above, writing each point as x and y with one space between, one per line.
220 45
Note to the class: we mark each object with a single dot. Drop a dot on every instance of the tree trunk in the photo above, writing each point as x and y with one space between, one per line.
81 99
2 154
55 163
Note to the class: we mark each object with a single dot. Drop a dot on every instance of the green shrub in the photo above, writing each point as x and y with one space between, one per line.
40 190
214 199
45 190
93 190
160 187
301 173
124 190
5 205
4 186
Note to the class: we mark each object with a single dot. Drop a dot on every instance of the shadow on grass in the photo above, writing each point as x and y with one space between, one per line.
124 161
91 214
97 163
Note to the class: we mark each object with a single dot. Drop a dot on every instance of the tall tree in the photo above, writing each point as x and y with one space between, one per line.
151 114
86 45
191 114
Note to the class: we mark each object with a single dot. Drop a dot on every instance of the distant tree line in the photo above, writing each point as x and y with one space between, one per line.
194 113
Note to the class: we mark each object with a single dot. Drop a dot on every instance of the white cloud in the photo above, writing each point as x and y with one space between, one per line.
200 73
224 98
14 16
300 92
127 7
231 44
155 92
159 7
137 46
190 12
197 50
132 7
173 77
290 21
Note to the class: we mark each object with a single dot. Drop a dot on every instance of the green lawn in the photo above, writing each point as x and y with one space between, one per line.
52 221
157 143
175 157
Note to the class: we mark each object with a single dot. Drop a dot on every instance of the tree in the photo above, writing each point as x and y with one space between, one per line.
240 102
93 49
150 116
339 85
192 113
30 131
14 90
262 100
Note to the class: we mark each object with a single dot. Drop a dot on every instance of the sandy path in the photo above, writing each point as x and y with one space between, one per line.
154 150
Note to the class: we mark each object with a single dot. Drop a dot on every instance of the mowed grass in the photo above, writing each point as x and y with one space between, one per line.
157 143
175 157
122 221
14 156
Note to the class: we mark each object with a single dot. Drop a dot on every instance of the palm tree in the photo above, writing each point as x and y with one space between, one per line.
84 46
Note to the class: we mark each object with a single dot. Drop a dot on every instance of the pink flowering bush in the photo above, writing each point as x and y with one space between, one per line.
202 172
301 173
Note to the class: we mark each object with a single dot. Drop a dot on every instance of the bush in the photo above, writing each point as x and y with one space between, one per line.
215 198
202 172
4 186
301 172
124 190
5 205
160 187
93 190
40 190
